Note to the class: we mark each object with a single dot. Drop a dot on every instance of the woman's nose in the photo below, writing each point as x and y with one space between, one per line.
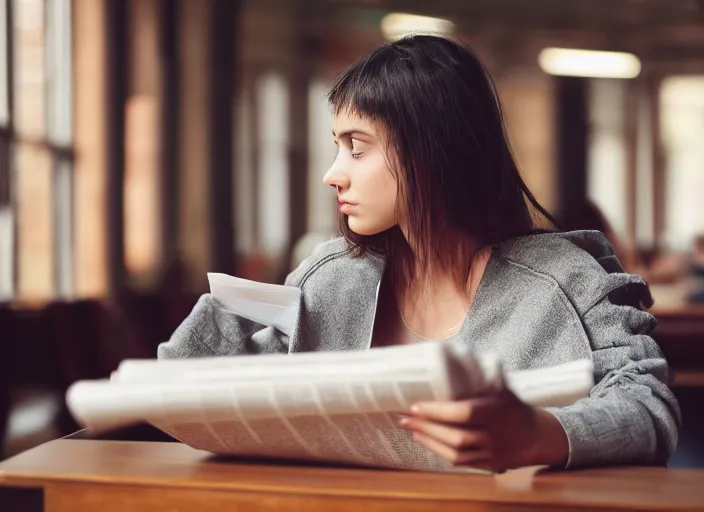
335 177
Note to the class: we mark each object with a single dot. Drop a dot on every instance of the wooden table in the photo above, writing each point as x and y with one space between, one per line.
111 476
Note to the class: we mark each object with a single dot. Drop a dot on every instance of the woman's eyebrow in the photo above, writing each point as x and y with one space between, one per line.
349 133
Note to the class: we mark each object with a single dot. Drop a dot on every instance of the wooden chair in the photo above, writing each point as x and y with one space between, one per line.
7 335
680 335
30 376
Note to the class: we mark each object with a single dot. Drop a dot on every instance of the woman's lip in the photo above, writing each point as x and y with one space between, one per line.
344 207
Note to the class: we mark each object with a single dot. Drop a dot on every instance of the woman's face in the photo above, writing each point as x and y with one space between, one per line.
366 187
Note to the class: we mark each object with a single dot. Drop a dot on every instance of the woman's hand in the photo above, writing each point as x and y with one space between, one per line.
495 433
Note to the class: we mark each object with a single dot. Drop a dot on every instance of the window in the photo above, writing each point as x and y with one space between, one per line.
35 149
59 135
273 143
7 223
322 203
31 160
243 174
607 151
682 125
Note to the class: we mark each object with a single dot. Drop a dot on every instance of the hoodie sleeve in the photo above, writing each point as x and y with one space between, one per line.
631 416
210 330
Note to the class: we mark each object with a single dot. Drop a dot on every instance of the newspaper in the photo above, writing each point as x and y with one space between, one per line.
338 407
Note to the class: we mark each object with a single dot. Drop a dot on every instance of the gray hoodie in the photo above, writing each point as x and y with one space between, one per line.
544 299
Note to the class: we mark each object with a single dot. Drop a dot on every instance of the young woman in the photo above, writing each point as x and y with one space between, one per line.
440 242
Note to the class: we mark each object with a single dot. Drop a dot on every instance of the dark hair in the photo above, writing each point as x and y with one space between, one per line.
439 110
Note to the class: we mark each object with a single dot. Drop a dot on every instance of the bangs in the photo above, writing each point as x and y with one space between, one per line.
364 88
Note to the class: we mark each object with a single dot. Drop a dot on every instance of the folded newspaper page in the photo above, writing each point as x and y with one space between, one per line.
338 407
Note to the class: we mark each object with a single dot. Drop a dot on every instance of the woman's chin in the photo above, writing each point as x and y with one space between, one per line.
359 227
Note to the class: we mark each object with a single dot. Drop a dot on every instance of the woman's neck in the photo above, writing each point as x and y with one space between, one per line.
438 300
439 269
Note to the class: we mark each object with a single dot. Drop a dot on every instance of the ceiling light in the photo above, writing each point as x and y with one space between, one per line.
396 25
589 63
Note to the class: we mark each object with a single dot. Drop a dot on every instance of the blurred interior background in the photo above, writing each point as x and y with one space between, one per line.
144 143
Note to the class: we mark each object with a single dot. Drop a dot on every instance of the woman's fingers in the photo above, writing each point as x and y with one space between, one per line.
454 437
477 458
495 432
461 412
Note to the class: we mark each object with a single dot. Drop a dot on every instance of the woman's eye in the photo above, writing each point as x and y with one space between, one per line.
355 149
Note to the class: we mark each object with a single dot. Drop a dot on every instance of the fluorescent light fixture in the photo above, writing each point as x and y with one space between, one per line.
396 25
589 63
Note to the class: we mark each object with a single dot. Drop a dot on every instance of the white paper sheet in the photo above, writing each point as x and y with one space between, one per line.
268 304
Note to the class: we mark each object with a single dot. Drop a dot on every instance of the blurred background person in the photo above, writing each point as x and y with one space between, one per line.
662 268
